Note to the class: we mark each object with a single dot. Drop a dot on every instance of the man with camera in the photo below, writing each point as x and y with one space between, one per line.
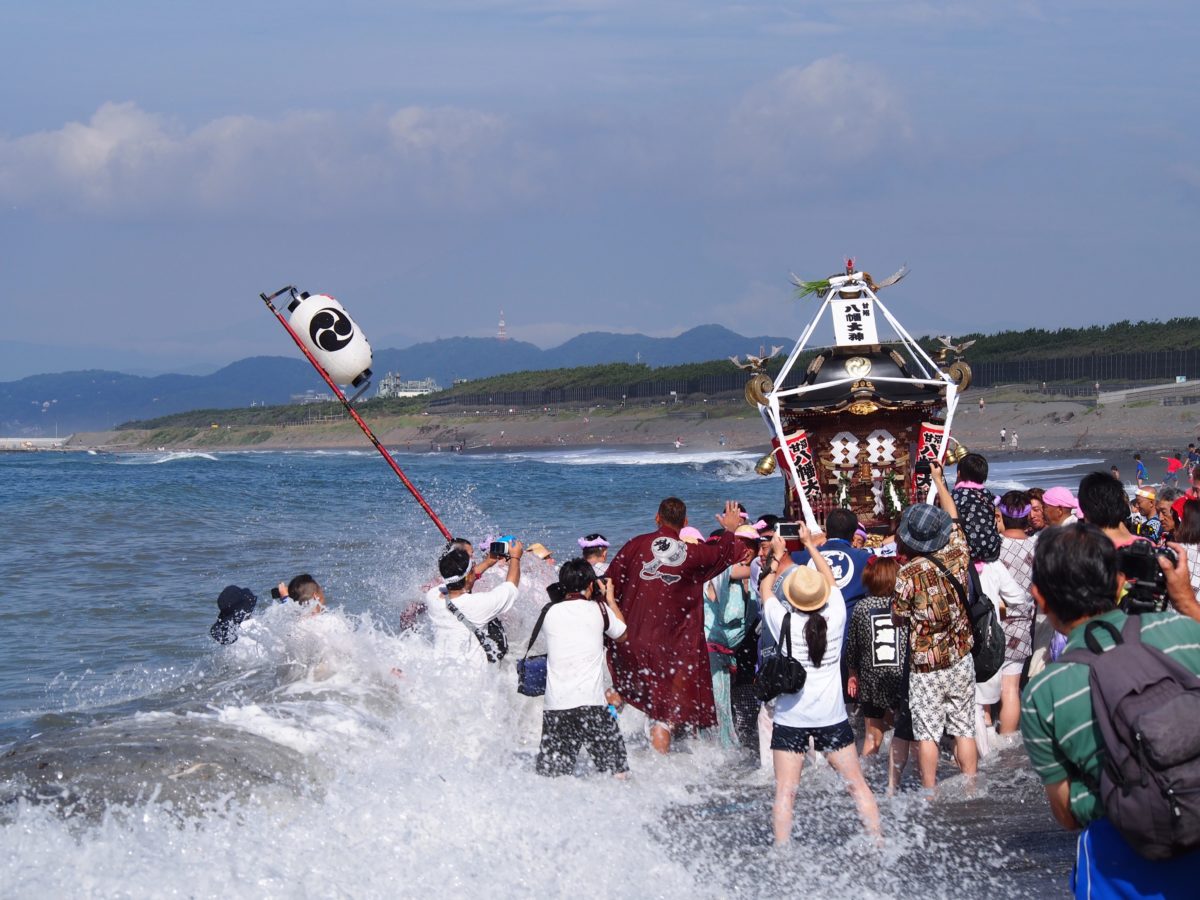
454 638
1070 709
575 712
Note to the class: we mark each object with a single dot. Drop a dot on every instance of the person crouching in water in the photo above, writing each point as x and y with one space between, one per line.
816 712
575 713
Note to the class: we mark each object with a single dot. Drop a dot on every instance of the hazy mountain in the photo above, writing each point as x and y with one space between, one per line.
96 399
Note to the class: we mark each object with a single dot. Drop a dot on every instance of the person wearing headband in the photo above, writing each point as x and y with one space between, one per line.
1016 554
1144 520
454 638
595 551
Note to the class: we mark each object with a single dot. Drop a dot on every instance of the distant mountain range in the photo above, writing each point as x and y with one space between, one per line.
96 399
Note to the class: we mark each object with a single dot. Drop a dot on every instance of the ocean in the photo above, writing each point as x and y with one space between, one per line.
328 755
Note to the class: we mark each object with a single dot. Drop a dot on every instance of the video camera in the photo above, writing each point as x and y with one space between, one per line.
499 548
1146 582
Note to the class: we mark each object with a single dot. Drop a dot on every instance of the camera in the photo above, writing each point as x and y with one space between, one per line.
275 595
788 530
1147 584
498 549
923 467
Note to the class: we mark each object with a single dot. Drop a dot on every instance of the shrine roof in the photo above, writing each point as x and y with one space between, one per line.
866 368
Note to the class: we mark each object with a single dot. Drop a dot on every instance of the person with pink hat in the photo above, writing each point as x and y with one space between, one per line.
1059 507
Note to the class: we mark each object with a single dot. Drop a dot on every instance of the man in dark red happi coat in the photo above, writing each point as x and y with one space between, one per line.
662 668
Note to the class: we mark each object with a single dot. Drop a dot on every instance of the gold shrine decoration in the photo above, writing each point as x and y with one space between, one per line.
862 407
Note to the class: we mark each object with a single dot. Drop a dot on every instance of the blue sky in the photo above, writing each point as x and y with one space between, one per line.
584 164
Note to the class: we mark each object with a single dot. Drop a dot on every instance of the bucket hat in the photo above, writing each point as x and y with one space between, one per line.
925 528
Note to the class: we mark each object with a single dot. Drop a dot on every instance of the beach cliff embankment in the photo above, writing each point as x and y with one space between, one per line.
1041 423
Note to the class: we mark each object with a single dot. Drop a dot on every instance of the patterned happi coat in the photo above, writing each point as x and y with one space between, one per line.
662 668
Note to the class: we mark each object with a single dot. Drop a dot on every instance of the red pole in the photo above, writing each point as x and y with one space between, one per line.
356 417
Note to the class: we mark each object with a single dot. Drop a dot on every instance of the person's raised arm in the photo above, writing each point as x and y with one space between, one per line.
819 562
515 552
615 611
938 474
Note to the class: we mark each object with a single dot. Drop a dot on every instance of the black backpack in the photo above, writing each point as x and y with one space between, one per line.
987 633
1147 707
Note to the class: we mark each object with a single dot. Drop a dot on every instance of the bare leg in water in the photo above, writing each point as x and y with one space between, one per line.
660 738
788 767
897 760
1010 704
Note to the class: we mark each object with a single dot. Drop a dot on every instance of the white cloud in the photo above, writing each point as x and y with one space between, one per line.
809 121
126 161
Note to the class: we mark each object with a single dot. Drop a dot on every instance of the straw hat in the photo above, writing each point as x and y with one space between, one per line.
539 550
749 532
806 589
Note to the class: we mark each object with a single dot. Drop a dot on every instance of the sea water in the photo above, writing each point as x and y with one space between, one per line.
330 756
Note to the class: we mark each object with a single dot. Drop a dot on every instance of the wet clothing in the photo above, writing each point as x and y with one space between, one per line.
662 668
566 731
574 630
878 651
452 640
943 701
827 739
819 703
724 630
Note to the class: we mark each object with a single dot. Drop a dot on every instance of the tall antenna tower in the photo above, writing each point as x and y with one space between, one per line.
501 334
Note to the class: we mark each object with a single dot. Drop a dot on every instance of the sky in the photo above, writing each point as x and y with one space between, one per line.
616 165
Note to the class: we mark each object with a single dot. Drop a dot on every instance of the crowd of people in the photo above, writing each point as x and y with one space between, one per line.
789 643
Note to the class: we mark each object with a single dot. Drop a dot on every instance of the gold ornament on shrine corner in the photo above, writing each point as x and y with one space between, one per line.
760 383
959 370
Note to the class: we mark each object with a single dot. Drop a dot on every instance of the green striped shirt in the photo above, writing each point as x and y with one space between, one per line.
1057 721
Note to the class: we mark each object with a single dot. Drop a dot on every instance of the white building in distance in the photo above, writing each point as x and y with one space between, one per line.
392 385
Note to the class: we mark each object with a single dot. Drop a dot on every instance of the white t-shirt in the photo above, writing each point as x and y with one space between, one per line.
1000 586
819 703
575 653
451 638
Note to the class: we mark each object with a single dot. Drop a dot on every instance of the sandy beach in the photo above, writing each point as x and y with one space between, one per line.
1043 424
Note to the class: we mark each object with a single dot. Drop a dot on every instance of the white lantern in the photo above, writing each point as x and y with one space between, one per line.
332 337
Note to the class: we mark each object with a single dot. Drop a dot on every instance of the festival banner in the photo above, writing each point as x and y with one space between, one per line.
853 322
929 446
797 447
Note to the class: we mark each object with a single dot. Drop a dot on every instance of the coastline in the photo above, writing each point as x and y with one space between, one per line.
1044 426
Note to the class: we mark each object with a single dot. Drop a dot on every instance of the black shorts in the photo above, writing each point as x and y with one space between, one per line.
903 725
871 711
827 739
565 731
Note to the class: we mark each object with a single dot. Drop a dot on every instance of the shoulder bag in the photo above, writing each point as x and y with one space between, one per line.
987 646
532 670
491 636
781 673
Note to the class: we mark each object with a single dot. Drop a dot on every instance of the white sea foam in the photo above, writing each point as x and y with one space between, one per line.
592 457
154 459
